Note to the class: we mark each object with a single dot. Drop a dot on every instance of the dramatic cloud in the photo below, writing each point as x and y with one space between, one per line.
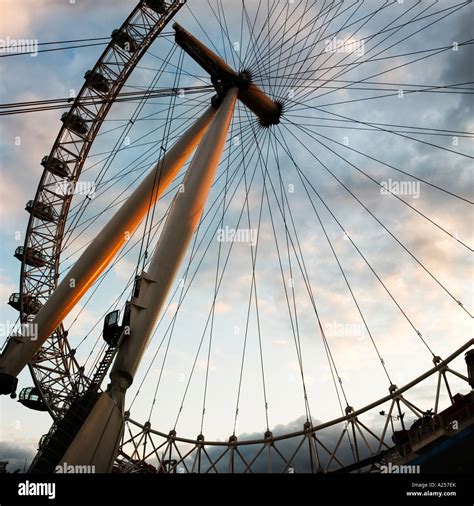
18 455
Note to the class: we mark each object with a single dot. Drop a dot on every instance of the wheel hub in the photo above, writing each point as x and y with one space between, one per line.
224 77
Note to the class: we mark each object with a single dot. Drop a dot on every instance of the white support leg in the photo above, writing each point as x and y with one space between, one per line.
97 441
97 256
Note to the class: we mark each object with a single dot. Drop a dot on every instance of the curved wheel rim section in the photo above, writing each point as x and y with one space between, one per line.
54 369
170 453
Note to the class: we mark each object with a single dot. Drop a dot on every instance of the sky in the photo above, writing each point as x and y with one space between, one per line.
322 162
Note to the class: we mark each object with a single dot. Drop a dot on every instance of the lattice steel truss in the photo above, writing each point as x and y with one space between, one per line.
321 448
55 370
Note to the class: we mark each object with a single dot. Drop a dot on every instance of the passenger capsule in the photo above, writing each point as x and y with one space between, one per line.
112 329
75 123
31 256
31 305
97 81
124 40
56 166
31 398
41 210
158 6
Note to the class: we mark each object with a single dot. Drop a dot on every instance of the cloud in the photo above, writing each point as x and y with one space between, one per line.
18 454
222 307
11 194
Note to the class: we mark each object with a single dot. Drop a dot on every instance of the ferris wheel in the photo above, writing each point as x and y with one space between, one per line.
206 251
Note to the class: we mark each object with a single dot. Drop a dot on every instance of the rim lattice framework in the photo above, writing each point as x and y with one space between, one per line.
54 369
369 448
